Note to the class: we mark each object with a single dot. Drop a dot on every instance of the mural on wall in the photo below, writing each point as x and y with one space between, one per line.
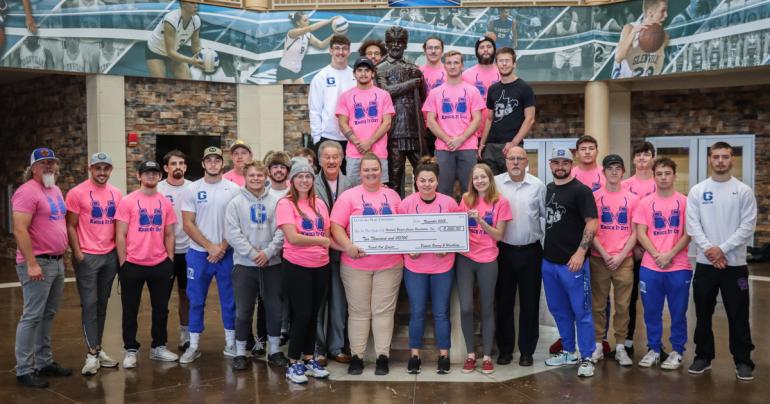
203 42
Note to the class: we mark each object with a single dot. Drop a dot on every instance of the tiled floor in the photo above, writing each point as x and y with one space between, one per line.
210 379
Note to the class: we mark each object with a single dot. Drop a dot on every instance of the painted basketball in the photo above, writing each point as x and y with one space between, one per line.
340 25
210 60
651 38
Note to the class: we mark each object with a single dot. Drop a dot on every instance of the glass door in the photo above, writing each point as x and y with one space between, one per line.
683 150
743 156
539 151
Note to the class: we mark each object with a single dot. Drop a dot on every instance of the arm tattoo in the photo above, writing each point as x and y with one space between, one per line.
588 235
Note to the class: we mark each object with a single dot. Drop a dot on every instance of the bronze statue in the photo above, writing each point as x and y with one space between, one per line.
404 81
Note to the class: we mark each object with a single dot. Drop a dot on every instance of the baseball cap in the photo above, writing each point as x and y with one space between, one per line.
40 154
363 62
300 165
611 159
100 158
212 150
239 143
560 152
149 166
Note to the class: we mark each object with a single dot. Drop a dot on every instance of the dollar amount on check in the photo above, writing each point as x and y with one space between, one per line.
405 234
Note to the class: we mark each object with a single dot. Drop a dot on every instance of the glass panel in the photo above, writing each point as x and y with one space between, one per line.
532 166
681 156
737 162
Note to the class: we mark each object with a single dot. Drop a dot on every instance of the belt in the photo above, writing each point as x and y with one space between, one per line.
522 247
50 257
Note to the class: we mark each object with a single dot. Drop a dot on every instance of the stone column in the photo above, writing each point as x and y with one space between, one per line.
106 122
260 117
597 115
620 126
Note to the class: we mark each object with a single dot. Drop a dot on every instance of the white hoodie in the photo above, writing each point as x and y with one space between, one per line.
325 90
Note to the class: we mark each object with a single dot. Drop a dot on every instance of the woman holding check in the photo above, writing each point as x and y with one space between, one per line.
428 274
371 282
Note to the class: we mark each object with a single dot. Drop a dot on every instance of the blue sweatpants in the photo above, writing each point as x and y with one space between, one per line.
200 272
657 287
568 295
421 287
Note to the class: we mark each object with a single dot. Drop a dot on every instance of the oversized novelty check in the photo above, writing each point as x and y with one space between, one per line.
404 234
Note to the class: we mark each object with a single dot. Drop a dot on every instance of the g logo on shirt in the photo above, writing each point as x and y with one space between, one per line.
202 197
331 82
258 213
708 198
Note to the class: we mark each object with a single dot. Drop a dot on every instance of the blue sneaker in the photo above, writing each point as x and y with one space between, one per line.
295 372
561 359
314 369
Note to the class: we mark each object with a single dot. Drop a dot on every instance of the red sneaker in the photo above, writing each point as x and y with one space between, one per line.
469 366
487 367
556 347
606 347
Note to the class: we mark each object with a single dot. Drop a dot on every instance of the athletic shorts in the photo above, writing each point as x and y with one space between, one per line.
150 55
286 74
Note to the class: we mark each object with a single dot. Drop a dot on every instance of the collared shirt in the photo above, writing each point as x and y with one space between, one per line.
527 199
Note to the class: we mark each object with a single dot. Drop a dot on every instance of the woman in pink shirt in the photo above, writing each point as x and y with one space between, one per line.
428 274
488 213
371 281
305 224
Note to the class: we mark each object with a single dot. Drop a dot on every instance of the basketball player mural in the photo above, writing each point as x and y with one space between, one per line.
641 48
28 19
404 81
296 44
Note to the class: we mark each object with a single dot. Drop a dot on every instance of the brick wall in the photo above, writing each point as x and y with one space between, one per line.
715 111
176 107
48 111
296 118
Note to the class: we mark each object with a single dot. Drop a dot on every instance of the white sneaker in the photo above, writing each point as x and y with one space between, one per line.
586 368
314 369
190 355
229 351
161 353
673 362
561 359
622 357
650 359
598 353
105 361
91 366
295 372
129 361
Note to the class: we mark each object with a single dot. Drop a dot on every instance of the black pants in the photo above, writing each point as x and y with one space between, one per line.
632 303
305 288
180 275
733 283
160 280
518 267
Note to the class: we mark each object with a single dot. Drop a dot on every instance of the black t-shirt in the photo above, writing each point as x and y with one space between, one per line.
567 207
507 103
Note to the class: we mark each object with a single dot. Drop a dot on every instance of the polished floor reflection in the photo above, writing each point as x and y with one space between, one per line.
210 379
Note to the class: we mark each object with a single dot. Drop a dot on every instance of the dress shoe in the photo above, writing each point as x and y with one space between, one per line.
504 359
525 360
342 358
32 380
322 360
53 369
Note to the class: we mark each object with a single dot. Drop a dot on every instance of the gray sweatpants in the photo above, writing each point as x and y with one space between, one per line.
41 301
94 280
469 273
456 165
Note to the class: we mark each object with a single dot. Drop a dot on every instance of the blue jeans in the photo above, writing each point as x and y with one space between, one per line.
200 272
657 287
438 287
568 295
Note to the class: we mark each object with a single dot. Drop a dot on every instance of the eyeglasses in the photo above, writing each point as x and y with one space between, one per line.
516 159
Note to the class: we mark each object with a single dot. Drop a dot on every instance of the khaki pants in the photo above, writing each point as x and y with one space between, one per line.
622 281
372 297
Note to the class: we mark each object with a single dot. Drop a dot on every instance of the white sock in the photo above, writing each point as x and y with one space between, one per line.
240 348
629 343
194 338
274 345
619 347
230 337
599 346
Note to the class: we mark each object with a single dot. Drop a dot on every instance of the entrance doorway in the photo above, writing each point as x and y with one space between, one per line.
191 146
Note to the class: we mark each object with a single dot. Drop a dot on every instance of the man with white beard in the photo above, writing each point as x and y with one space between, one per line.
41 235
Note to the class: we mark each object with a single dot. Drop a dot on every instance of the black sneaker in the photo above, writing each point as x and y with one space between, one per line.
413 367
699 366
744 372
443 365
526 360
356 365
381 367
32 380
54 370
284 338
240 363
278 359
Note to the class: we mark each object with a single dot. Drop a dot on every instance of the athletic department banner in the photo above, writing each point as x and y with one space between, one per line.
126 37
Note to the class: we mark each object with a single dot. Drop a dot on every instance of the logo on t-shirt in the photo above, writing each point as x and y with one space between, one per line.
149 223
102 215
708 197
331 82
614 221
504 106
488 217
553 212
57 207
666 224
448 108
312 227
369 210
360 113
258 213
202 197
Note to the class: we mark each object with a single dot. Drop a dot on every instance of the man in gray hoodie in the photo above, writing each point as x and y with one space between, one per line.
250 229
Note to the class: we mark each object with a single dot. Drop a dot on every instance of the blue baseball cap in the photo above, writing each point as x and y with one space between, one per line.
561 153
40 154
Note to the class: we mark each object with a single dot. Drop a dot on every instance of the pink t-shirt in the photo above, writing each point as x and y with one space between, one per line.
453 106
233 176
482 77
665 220
615 213
593 179
358 201
428 263
640 188
147 218
312 224
364 109
48 228
96 207
483 246
434 76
